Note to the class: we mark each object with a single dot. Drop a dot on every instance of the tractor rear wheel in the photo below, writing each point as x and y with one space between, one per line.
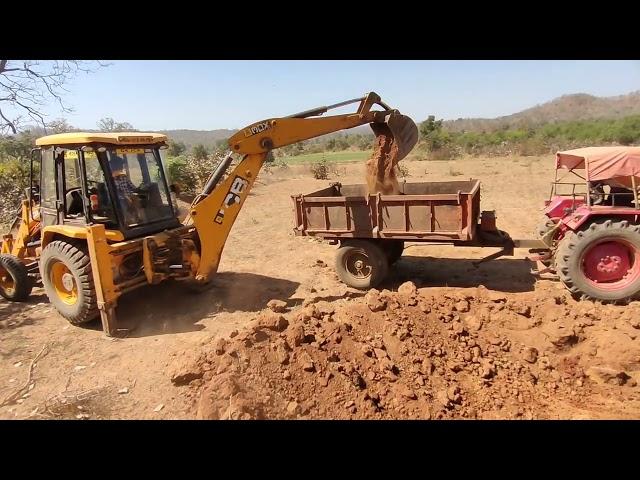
15 284
601 262
361 264
68 280
544 226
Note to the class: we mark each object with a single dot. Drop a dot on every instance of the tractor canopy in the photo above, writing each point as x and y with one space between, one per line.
603 163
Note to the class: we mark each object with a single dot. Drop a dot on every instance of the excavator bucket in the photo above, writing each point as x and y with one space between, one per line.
405 134
401 131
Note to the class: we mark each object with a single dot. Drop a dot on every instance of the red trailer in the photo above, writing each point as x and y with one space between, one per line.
372 229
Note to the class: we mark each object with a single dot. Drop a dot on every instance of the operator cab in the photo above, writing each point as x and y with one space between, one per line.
116 179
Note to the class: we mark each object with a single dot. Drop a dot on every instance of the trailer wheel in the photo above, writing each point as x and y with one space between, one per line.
361 264
601 262
393 249
15 284
68 280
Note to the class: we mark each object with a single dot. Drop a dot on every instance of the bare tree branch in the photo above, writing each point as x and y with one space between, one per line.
30 85
9 124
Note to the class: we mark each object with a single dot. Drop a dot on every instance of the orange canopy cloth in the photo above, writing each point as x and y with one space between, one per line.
602 163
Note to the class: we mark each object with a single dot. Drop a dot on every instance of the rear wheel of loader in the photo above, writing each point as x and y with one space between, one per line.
15 284
601 262
68 280
361 264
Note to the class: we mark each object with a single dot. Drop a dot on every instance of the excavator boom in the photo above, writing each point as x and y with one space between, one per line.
215 210
279 132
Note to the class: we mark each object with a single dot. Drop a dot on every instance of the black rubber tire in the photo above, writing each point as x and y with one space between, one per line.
77 261
22 283
573 246
370 252
393 249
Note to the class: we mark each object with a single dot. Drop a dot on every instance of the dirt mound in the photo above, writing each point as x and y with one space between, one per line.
429 354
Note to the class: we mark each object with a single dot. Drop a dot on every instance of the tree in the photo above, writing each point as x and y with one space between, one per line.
59 125
108 124
176 148
364 143
14 174
200 152
341 144
429 126
27 86
433 135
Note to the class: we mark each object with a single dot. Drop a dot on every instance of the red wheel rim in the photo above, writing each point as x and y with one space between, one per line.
611 264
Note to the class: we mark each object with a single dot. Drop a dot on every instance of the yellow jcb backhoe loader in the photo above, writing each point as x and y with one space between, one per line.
99 220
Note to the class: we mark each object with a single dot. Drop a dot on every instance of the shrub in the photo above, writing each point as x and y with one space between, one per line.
320 170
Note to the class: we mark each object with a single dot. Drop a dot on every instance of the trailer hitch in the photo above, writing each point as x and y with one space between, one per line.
507 250
495 238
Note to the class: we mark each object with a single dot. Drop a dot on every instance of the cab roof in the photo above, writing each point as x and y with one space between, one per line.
115 138
602 163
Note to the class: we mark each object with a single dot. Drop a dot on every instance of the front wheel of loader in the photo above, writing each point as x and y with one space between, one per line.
601 262
15 284
361 264
68 280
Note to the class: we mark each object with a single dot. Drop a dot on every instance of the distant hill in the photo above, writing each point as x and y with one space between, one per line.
579 106
208 138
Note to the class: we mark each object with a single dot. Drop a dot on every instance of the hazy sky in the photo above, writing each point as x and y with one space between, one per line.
206 95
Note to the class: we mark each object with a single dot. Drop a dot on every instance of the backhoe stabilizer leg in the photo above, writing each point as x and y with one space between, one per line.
109 319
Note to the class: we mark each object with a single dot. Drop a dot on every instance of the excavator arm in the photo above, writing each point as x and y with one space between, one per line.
215 210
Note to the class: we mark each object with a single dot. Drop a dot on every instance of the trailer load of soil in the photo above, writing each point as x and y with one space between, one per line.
422 354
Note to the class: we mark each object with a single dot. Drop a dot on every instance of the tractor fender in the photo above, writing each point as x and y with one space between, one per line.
585 215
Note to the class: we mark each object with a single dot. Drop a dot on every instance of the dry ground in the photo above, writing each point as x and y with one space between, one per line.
80 373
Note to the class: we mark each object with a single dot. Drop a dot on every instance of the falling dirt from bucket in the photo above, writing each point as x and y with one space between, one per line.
394 140
380 168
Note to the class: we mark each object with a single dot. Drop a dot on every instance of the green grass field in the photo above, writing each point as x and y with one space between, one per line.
346 156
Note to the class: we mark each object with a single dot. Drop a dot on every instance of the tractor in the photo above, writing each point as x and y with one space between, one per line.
591 224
